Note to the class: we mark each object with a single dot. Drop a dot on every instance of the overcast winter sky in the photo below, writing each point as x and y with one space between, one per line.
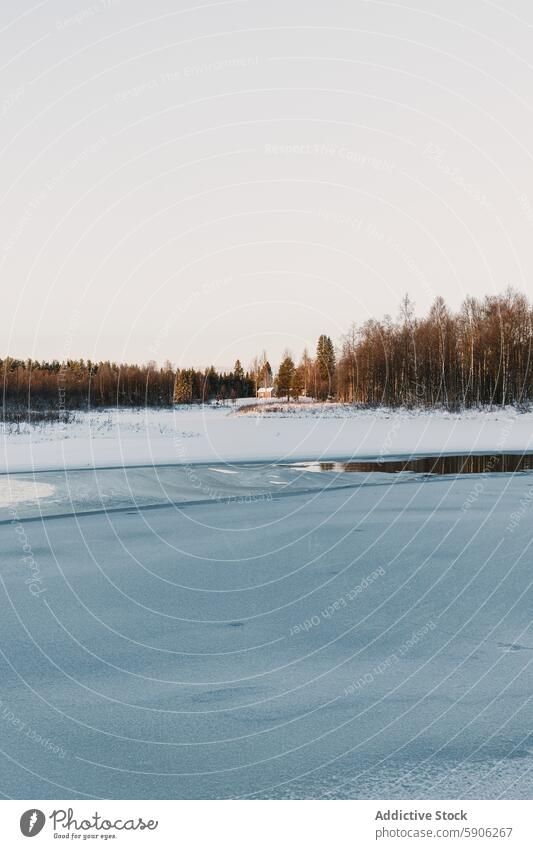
202 182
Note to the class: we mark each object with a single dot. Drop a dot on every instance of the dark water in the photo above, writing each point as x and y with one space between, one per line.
457 464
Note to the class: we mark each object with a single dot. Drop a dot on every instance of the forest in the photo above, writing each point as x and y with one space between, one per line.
478 355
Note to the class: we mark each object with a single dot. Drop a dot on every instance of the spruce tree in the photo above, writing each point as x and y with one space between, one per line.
325 362
285 377
238 379
297 384
183 387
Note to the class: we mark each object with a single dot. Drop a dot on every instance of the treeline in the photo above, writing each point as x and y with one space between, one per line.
479 355
193 386
79 384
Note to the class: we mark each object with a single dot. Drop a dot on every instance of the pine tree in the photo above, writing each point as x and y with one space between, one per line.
285 377
183 387
325 362
297 384
267 374
238 379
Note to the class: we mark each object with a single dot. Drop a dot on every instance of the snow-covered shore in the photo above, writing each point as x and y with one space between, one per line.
205 434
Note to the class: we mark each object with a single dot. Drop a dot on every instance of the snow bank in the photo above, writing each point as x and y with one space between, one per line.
225 434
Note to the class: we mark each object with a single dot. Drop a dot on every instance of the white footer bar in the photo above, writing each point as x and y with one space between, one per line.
267 824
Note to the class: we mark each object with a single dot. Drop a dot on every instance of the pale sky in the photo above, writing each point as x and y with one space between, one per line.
202 181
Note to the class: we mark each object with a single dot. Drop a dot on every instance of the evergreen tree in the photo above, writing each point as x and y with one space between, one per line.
238 380
285 377
183 387
209 384
297 384
325 357
267 374
325 363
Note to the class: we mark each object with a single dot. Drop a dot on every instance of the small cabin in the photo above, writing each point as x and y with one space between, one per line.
265 391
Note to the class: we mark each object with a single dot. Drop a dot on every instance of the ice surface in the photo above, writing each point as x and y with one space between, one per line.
372 640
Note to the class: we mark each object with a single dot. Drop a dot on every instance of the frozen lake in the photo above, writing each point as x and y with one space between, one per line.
263 630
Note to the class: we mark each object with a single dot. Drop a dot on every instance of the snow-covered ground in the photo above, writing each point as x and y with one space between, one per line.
227 434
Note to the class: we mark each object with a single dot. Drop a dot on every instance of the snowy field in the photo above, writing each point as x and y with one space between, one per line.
257 630
229 434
